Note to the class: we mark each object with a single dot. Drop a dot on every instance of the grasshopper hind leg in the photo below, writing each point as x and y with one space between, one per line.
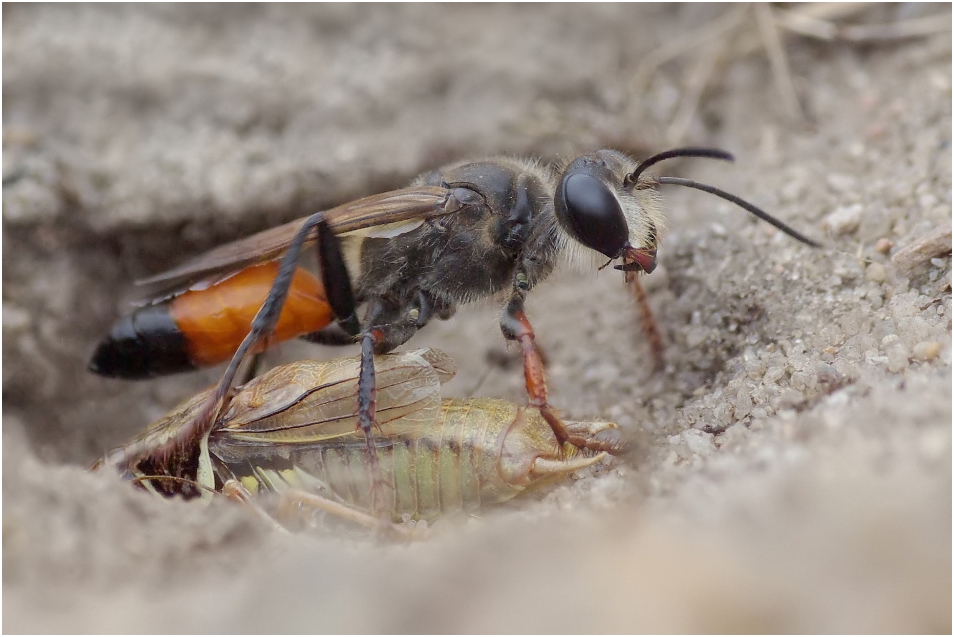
293 503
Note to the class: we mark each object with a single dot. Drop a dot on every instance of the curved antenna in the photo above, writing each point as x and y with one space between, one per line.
742 203
692 151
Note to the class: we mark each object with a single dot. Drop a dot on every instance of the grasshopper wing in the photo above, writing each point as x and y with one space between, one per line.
310 402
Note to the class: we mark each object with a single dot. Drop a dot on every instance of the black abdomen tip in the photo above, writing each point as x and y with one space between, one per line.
143 344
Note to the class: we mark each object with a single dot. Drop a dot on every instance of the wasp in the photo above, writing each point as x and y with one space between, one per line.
292 432
466 231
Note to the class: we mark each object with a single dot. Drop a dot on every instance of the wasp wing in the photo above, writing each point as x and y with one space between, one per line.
309 402
391 209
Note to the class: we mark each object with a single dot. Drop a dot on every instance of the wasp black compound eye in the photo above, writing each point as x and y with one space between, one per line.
590 211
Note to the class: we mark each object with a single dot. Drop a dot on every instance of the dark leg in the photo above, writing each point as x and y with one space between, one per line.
253 369
334 334
392 328
367 393
337 284
340 297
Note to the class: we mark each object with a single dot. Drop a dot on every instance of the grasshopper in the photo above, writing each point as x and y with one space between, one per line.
293 432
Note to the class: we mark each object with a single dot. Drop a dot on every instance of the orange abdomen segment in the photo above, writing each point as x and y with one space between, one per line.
216 319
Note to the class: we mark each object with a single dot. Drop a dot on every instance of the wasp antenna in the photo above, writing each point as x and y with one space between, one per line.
742 203
712 153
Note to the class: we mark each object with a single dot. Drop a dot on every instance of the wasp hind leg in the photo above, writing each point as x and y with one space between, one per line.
337 285
340 296
253 369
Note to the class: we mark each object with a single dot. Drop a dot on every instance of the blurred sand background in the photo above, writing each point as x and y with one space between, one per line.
793 471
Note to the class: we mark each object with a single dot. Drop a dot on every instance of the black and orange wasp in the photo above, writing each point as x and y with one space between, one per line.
466 231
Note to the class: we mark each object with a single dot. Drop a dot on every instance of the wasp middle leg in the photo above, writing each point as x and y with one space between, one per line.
516 327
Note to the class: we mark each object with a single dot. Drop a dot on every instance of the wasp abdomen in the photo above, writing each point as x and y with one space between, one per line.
204 326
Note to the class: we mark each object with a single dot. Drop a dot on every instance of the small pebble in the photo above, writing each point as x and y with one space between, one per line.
734 435
845 219
842 183
876 272
926 350
884 245
897 356
696 337
699 442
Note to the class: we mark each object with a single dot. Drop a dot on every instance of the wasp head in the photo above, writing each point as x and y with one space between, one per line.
608 203
601 208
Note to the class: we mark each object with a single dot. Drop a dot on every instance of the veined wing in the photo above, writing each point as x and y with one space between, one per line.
385 209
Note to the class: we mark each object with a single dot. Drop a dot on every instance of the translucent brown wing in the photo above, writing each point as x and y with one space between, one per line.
406 204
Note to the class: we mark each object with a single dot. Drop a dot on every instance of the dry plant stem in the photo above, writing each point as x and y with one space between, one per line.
779 61
673 49
699 78
749 42
833 10
236 491
293 499
811 20
813 27
933 244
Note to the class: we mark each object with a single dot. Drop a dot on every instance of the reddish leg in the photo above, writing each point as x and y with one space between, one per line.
516 327
647 321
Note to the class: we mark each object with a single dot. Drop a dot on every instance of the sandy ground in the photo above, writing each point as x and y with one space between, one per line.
794 462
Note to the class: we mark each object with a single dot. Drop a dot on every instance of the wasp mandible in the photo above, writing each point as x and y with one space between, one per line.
461 233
